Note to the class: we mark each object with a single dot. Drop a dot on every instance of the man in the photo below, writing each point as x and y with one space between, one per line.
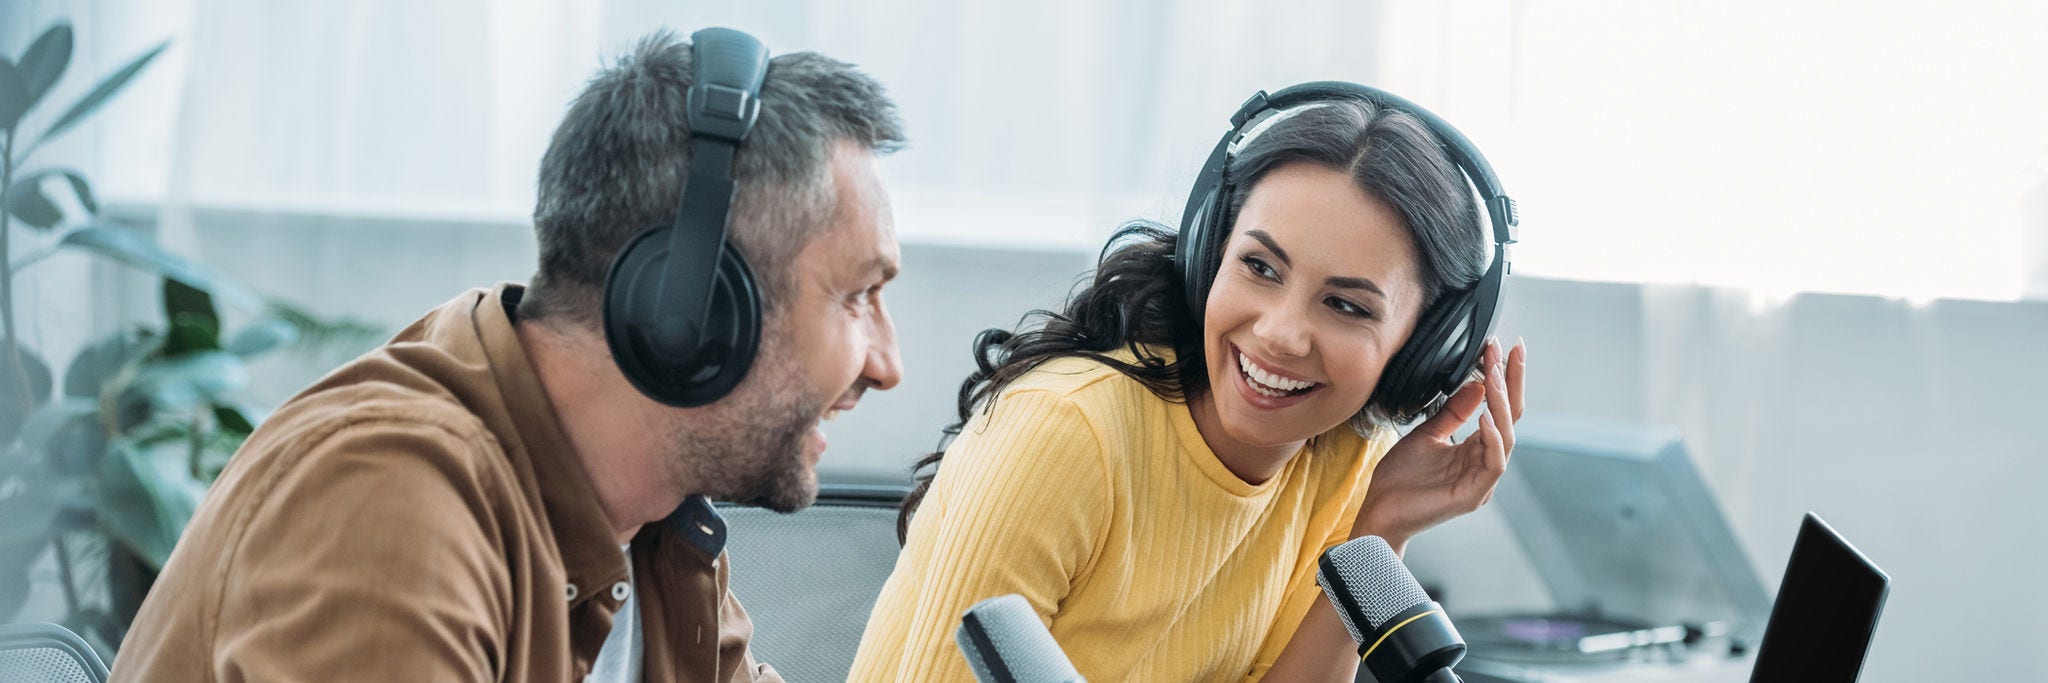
454 505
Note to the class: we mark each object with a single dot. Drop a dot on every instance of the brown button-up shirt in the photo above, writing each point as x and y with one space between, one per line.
418 515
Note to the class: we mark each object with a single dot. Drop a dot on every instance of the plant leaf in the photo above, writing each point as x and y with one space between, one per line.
263 335
26 202
97 364
25 198
191 333
232 420
92 100
194 322
84 192
188 382
33 183
128 246
20 547
45 60
13 96
69 434
316 333
23 387
30 507
147 495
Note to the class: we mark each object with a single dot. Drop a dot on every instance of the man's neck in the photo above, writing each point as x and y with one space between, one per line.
613 431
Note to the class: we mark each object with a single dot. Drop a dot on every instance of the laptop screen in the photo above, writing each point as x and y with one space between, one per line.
1826 611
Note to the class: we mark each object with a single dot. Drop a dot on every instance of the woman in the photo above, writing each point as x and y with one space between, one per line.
1158 485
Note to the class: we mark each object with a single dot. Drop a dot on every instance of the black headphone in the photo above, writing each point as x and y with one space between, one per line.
1450 335
682 314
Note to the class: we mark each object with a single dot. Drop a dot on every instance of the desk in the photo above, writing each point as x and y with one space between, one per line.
1696 669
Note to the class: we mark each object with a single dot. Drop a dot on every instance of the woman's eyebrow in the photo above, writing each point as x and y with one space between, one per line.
1358 283
1355 283
1267 240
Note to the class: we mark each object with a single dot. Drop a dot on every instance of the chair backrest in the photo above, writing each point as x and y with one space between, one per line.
809 579
38 652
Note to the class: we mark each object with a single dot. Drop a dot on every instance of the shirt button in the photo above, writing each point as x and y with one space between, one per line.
572 593
620 590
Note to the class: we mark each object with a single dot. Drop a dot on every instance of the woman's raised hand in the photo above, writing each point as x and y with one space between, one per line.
1427 478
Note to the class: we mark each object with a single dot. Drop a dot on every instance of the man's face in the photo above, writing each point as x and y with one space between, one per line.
828 342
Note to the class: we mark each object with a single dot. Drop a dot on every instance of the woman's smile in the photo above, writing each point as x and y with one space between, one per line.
1265 389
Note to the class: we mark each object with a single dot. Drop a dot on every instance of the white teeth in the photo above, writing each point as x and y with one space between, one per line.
829 414
1266 383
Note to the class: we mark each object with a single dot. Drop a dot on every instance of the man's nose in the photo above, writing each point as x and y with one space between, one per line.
884 368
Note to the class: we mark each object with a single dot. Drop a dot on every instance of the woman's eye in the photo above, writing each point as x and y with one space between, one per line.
1348 308
1259 267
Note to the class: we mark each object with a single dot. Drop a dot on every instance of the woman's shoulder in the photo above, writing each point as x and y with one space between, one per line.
1346 448
1087 381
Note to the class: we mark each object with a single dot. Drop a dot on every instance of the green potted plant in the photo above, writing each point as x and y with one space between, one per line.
102 467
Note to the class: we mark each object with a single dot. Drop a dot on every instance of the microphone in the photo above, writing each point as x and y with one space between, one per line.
1403 636
1006 643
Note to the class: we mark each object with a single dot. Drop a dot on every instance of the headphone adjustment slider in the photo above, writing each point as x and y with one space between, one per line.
1505 206
1251 107
722 112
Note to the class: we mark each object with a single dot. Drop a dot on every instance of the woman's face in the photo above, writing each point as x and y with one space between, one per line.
1319 286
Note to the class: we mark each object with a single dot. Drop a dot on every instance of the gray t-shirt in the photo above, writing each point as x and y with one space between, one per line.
619 661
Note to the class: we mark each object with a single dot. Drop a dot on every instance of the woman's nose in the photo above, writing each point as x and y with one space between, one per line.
1282 331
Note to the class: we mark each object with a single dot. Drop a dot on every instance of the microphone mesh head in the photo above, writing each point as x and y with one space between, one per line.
1004 640
1371 578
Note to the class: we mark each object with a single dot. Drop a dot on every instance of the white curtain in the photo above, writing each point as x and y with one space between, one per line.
1032 123
1889 148
1886 148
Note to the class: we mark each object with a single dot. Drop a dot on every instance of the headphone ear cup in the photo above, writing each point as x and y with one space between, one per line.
1433 362
634 310
1200 249
732 328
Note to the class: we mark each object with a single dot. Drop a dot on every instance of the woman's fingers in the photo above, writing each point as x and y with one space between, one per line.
1456 411
1493 459
1497 401
1518 362
1491 438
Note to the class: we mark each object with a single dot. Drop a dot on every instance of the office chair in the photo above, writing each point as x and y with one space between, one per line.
38 652
809 579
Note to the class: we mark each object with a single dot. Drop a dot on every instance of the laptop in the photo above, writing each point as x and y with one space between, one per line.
1826 611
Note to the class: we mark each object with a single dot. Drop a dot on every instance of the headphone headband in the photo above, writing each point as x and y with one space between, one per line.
682 313
1500 208
721 107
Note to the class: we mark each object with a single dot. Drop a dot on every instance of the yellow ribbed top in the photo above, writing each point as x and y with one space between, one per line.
1100 504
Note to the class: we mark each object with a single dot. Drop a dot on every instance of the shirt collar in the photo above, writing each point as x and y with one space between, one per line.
699 523
589 548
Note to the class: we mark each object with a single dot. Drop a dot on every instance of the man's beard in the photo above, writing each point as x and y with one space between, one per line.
748 447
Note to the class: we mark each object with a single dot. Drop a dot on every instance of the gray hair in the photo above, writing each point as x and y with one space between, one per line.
617 164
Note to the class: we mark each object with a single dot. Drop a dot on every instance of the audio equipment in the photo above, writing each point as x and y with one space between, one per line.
1402 635
682 313
1005 642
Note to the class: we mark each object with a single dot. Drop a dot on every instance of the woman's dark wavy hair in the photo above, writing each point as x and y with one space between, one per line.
1134 300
